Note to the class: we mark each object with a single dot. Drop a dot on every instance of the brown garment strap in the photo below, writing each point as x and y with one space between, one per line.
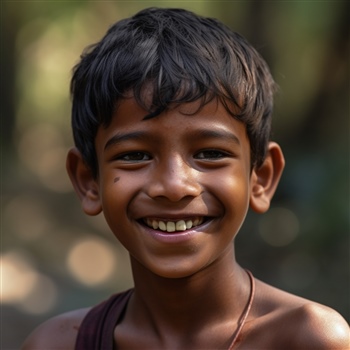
96 331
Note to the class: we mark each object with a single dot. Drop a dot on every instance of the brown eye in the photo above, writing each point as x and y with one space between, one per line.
134 157
211 154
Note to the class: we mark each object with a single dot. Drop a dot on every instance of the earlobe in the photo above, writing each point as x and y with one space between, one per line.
84 183
264 180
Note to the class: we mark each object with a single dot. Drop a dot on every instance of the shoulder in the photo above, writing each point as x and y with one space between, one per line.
59 332
320 327
299 323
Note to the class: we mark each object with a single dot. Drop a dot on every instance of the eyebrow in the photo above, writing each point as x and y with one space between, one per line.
202 134
217 134
118 138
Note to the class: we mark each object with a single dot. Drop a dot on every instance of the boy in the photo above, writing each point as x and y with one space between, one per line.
171 120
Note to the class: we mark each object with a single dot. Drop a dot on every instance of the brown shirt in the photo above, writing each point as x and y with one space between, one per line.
96 330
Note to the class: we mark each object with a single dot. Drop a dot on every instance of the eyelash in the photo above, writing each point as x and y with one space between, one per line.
214 154
138 156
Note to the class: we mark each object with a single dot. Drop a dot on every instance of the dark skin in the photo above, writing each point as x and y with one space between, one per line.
189 290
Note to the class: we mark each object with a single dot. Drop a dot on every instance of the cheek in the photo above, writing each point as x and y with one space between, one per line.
230 184
116 186
117 193
113 198
233 191
237 196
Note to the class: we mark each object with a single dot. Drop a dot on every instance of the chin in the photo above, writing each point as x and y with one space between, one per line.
177 270
174 274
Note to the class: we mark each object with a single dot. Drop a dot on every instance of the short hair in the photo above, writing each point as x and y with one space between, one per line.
180 57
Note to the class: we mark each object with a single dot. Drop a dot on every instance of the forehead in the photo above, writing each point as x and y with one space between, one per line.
184 121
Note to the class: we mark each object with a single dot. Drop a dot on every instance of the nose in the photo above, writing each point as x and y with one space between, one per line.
174 180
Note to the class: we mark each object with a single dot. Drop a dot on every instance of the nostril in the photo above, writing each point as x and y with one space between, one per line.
174 180
174 191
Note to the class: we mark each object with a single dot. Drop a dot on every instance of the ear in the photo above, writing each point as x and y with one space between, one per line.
264 180
85 185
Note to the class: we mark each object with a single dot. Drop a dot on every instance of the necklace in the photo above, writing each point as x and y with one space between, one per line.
245 312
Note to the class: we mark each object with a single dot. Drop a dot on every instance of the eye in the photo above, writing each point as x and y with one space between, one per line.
211 154
134 157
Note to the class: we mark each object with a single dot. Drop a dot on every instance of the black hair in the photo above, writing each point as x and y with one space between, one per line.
180 57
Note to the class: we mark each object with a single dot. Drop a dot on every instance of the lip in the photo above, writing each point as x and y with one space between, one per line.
177 236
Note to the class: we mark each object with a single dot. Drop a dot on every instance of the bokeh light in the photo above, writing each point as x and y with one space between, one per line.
27 217
42 298
23 286
17 277
42 150
92 261
279 227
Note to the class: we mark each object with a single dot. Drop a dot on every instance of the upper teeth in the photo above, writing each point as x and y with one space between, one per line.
172 226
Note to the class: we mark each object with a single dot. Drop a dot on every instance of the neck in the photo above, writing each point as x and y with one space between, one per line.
181 305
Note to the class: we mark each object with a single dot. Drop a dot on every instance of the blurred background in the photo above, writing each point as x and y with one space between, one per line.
54 258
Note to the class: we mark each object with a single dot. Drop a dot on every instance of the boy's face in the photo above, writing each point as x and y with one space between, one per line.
173 172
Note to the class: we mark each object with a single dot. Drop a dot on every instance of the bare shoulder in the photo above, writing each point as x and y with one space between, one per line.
302 324
320 327
59 332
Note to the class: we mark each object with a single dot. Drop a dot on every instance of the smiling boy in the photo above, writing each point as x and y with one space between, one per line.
171 120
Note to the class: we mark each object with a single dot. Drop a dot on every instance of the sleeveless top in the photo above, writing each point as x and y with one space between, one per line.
96 331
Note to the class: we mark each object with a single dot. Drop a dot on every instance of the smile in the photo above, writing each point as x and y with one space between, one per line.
173 226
